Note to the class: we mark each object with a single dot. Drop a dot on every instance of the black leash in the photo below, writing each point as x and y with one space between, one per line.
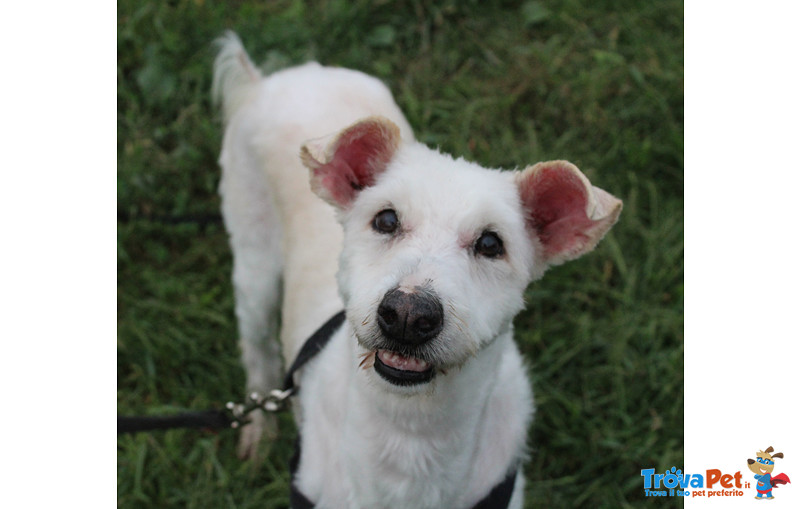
208 419
235 415
202 220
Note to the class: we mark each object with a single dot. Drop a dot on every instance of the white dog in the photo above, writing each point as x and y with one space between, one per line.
420 399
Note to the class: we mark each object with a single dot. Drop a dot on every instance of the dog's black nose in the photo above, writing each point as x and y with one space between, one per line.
410 318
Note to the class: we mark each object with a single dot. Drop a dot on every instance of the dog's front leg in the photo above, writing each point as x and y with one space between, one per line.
255 237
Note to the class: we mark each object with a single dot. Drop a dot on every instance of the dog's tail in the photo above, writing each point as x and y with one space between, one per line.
235 76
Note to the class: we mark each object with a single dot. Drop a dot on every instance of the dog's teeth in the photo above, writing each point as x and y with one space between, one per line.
402 362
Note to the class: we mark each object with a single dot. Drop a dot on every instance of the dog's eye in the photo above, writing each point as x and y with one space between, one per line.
489 245
386 221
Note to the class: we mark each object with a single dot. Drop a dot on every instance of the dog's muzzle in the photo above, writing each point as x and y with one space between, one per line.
407 321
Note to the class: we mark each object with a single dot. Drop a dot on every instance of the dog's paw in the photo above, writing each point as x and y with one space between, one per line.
262 427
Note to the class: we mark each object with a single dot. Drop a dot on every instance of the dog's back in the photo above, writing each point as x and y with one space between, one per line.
267 121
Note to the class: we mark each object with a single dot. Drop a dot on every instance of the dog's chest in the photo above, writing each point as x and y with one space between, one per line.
358 453
398 468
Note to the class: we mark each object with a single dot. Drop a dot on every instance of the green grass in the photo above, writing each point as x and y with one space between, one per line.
503 83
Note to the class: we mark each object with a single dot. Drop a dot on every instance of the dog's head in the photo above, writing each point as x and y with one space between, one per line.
438 252
764 462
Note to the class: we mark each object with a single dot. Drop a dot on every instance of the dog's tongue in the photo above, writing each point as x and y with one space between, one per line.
401 362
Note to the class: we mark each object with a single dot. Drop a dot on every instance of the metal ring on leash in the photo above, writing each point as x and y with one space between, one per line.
275 401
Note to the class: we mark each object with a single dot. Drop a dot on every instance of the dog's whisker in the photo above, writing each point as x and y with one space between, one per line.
374 305
458 322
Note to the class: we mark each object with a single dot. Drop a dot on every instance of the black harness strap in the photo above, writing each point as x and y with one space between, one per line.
498 497
296 499
312 347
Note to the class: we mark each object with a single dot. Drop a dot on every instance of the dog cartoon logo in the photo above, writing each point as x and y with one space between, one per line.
763 466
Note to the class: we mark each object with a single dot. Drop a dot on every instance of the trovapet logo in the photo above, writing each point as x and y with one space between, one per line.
715 483
673 483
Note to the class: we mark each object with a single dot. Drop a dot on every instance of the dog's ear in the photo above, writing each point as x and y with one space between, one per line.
352 161
565 212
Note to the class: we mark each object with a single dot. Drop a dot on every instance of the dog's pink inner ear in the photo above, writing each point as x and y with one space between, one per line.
564 211
353 160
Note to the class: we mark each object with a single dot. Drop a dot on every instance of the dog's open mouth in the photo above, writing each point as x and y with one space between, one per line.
399 369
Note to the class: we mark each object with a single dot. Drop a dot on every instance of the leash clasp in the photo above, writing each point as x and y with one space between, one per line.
273 402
